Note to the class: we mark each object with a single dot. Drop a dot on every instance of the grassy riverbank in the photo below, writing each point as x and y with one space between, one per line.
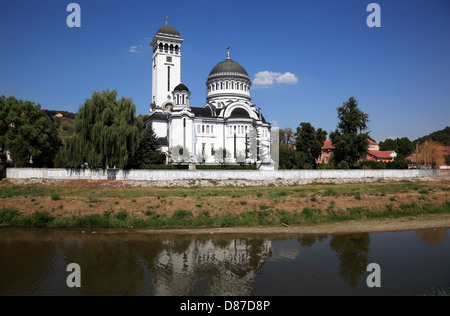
91 205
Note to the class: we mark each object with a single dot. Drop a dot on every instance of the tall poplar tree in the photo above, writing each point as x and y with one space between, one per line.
106 132
350 137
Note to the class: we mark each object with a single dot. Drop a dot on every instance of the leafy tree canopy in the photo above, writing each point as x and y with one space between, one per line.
106 132
28 133
351 134
309 141
401 145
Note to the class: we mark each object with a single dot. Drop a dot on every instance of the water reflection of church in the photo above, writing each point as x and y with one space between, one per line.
230 266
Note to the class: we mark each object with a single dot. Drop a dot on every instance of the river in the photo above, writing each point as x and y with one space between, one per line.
35 261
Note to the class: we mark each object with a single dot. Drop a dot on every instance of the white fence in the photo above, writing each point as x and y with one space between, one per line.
155 175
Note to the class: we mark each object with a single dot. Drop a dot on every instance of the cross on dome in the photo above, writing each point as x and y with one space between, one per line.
228 54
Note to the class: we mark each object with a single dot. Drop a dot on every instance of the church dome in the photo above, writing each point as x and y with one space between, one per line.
228 67
181 87
165 29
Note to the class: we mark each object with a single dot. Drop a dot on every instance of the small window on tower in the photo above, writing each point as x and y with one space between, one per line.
168 59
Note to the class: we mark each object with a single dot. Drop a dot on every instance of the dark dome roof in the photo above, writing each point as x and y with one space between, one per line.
165 29
181 87
228 66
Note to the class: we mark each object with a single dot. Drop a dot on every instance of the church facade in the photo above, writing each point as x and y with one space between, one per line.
228 128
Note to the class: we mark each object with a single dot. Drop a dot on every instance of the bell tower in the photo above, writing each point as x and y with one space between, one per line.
166 66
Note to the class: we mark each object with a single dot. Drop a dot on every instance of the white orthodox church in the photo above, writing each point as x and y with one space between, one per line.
228 128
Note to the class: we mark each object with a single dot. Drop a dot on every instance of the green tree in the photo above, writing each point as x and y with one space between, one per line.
148 151
106 132
287 157
309 141
28 133
286 137
350 136
401 146
389 144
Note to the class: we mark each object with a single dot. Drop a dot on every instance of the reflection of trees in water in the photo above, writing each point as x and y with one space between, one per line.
124 265
352 251
308 240
432 237
226 267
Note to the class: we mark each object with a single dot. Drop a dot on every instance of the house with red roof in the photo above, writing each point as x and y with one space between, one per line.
373 152
381 155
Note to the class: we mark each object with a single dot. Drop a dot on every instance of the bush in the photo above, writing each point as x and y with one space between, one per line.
56 197
342 165
308 212
7 214
121 215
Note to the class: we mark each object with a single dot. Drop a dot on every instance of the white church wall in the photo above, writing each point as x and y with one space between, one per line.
160 128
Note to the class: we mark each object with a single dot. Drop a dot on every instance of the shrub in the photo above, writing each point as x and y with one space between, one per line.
7 214
308 212
121 215
56 197
181 214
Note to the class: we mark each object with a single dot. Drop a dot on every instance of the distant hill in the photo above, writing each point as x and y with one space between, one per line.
65 123
442 136
64 113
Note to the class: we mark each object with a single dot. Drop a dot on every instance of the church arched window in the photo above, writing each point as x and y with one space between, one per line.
198 128
166 48
171 48
207 129
160 47
212 129
176 49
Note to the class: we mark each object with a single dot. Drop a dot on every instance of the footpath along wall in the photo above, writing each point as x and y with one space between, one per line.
156 175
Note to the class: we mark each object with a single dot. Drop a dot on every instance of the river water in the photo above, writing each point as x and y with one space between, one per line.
34 262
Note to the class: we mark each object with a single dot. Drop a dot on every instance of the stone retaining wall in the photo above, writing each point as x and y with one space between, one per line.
156 175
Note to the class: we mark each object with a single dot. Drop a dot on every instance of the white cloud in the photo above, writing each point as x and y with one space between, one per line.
287 78
141 46
264 79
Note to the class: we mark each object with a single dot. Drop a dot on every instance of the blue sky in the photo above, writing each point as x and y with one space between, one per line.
321 51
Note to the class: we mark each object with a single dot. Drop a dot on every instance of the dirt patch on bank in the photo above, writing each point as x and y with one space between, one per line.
358 226
67 198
